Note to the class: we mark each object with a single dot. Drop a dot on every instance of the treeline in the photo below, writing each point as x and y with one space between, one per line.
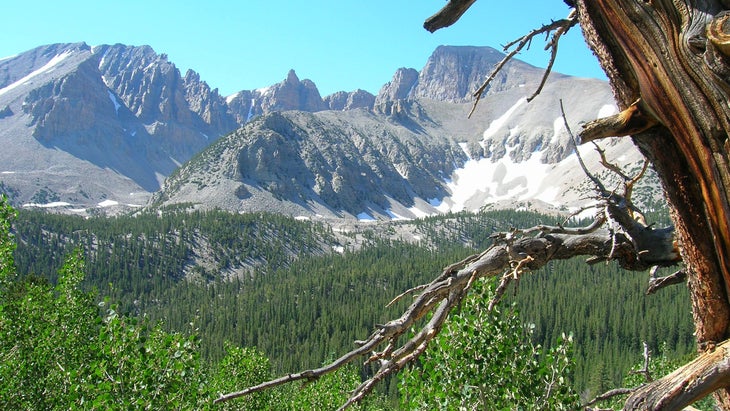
269 282
135 259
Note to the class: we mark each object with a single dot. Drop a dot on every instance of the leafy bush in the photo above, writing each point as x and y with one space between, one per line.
486 360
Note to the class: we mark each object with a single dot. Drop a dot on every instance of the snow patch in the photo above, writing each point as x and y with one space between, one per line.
558 127
607 110
263 90
419 213
47 205
47 67
232 97
436 201
401 170
482 181
395 216
495 125
108 203
302 218
465 149
339 249
250 110
365 217
113 98
103 58
8 172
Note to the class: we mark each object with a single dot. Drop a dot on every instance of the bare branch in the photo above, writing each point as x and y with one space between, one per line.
633 120
599 185
448 15
645 371
499 291
629 186
656 284
405 293
608 395
560 27
609 165
693 381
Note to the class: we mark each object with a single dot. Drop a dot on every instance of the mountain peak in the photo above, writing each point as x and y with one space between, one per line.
291 77
454 73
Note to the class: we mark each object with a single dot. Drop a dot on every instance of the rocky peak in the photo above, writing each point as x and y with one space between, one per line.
292 94
291 78
399 87
455 73
289 94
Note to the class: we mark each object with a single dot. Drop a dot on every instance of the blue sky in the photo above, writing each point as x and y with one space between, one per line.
246 44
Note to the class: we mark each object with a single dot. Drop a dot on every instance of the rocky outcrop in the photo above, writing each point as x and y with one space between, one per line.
292 94
343 100
114 120
399 88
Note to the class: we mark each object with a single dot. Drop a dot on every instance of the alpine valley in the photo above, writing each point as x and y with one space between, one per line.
112 127
285 221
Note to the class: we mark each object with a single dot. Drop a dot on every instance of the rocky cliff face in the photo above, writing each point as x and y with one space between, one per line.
114 119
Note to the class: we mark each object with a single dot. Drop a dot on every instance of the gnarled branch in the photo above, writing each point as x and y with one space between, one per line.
633 120
693 381
448 15
632 246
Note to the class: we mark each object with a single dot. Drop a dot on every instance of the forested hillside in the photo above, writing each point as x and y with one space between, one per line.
275 283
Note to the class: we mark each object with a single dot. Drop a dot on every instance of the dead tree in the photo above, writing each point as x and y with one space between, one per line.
668 63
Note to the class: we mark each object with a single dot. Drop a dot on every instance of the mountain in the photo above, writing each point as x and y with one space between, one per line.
414 153
84 127
86 124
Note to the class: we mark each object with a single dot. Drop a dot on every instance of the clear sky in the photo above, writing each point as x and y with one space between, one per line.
247 44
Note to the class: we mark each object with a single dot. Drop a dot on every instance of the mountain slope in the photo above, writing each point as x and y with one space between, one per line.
411 156
85 124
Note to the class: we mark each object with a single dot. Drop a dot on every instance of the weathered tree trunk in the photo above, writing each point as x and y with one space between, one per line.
668 62
671 57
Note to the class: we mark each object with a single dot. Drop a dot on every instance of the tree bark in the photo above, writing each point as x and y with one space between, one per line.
667 55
